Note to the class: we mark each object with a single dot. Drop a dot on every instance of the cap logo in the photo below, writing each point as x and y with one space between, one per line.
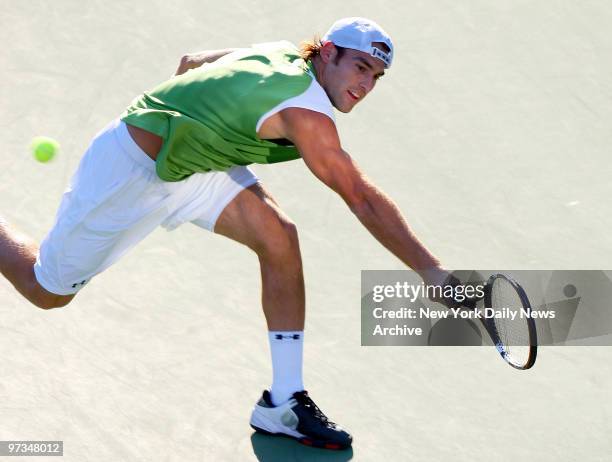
378 53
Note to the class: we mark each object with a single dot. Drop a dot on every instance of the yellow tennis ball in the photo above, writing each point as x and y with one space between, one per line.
44 148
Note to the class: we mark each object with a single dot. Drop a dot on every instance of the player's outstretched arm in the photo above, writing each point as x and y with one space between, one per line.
315 136
194 60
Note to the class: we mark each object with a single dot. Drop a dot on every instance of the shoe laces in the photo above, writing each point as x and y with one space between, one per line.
312 408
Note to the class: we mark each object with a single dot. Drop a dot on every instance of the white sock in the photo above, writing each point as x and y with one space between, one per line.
287 351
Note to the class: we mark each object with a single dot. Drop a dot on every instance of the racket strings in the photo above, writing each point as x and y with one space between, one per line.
510 324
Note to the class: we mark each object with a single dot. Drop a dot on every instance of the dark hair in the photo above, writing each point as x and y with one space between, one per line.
311 48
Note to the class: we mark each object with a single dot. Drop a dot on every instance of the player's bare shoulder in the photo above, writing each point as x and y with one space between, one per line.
309 130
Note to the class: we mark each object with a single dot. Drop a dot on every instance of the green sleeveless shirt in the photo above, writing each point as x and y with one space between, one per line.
207 117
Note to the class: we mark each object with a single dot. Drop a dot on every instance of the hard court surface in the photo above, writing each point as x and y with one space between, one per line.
492 133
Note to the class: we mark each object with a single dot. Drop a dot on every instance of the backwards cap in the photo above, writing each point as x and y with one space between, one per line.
359 34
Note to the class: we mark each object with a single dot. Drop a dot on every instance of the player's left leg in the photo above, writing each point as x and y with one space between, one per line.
233 204
254 219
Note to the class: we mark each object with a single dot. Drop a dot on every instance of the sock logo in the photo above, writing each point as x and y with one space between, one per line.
82 283
292 336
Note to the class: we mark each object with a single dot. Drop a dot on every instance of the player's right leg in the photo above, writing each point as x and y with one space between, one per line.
17 258
113 201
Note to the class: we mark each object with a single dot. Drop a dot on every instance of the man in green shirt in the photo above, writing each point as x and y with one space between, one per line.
179 153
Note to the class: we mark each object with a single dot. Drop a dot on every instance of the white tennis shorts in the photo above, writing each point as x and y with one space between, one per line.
114 200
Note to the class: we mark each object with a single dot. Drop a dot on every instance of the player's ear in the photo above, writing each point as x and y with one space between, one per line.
328 52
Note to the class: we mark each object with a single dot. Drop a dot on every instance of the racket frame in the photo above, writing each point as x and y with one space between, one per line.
531 327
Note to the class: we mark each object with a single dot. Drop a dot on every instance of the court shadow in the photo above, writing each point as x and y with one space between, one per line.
279 449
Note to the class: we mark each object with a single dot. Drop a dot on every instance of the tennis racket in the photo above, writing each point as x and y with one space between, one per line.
513 330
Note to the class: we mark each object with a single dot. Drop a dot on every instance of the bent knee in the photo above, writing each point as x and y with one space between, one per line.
49 304
280 240
46 300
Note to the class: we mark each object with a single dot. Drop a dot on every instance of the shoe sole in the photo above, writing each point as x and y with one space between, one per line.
305 441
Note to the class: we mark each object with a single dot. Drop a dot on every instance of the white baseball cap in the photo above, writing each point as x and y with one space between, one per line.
359 34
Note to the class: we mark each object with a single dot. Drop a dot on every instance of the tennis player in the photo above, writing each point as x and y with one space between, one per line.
179 153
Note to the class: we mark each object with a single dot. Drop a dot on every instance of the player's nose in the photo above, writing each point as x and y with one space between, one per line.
367 84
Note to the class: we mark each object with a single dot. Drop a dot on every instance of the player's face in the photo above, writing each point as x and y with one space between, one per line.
352 78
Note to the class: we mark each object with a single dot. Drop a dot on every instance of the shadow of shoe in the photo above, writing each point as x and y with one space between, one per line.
269 448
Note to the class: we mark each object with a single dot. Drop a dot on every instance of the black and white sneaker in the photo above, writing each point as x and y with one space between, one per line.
299 418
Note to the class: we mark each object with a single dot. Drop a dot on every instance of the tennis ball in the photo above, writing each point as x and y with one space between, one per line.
44 148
